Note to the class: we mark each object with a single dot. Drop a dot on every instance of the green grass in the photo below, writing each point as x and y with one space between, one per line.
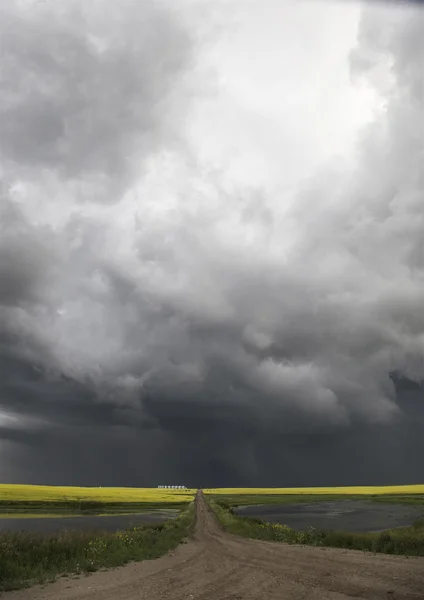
232 500
349 490
415 500
76 507
408 541
30 558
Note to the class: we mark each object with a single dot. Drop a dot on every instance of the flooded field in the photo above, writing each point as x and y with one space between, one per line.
111 523
347 515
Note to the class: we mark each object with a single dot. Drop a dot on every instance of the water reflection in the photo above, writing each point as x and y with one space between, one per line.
347 515
110 523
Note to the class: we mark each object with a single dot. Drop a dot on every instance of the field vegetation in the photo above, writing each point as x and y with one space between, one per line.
231 497
408 541
19 499
317 491
30 558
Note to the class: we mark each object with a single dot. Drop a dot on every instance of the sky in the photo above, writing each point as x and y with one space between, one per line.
211 243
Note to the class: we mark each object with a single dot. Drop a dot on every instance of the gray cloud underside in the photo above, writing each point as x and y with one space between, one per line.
86 87
195 345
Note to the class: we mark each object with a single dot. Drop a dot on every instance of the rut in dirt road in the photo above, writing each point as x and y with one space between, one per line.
215 565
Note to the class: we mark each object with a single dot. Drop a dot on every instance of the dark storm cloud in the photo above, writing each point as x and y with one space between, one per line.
26 261
204 337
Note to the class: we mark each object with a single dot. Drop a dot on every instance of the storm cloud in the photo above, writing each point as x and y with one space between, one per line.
85 89
174 307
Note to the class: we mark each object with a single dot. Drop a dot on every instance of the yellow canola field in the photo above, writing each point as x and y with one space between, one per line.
45 493
350 490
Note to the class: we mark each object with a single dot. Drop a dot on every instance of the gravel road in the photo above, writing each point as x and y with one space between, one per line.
215 565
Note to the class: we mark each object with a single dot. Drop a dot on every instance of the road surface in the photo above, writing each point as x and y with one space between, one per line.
215 565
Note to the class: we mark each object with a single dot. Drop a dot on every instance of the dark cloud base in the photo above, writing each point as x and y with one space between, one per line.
78 439
153 351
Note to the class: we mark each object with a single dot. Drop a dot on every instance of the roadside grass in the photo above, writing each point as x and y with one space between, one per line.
408 541
30 558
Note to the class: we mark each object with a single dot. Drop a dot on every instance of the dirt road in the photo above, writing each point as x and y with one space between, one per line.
218 566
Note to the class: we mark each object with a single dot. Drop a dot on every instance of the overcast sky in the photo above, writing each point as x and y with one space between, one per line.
211 242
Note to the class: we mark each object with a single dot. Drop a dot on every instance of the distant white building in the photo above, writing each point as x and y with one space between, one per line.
172 487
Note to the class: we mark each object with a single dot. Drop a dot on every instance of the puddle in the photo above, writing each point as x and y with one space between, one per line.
348 515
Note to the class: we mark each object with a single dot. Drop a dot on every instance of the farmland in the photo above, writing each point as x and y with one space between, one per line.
406 494
316 491
27 557
215 562
39 498
45 493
